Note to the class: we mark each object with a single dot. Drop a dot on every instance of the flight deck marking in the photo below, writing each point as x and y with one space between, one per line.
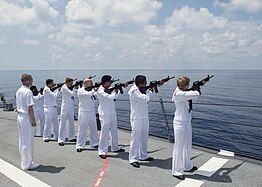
190 183
102 173
20 177
211 166
207 169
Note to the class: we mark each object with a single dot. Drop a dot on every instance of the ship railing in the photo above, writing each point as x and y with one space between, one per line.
220 130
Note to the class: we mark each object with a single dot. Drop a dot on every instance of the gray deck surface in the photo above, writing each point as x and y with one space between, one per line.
63 166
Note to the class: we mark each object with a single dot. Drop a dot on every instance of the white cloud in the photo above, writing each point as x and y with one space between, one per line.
97 13
189 18
31 42
98 56
251 6
25 13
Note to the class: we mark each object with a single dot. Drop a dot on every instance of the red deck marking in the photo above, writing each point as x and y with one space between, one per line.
102 173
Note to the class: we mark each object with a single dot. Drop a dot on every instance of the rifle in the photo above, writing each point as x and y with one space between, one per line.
59 85
154 84
80 82
119 86
98 84
196 85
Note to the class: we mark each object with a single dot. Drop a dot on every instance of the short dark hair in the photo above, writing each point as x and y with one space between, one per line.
105 78
48 81
33 87
140 79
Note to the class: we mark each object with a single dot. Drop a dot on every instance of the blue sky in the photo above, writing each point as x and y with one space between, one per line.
124 34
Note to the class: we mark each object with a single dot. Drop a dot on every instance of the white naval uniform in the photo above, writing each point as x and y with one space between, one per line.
67 112
24 99
107 116
39 112
50 111
182 131
86 118
139 122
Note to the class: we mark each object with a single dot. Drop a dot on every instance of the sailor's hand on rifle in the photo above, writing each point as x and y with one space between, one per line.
125 85
116 90
161 82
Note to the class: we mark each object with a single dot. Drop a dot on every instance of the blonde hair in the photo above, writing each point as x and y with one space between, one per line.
68 79
182 81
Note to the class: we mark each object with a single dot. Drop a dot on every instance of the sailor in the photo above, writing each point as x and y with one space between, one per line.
50 110
26 123
182 128
38 108
67 112
86 116
139 121
107 116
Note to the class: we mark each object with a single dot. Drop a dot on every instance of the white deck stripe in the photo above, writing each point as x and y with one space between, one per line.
19 176
226 153
211 166
190 183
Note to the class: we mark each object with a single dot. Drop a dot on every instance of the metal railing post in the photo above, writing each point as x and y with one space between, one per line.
166 121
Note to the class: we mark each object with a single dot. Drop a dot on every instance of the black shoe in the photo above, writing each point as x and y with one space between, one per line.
46 140
194 168
73 140
119 150
148 159
180 177
61 143
102 156
95 147
79 150
135 164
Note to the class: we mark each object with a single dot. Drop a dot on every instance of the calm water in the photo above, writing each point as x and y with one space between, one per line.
226 116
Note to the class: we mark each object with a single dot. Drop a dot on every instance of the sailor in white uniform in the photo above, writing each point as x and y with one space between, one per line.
86 116
26 123
182 128
139 121
67 112
38 109
50 110
107 116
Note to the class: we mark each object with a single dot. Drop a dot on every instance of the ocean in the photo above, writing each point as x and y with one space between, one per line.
226 116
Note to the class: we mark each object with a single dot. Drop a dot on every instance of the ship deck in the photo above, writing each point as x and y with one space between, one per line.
63 166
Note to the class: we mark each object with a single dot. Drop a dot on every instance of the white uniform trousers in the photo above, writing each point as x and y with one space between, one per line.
26 140
40 115
182 147
66 113
139 139
108 122
51 116
86 119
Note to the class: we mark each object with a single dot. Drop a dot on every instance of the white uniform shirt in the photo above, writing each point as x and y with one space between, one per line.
138 103
68 97
24 99
38 104
181 99
86 102
50 97
106 101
